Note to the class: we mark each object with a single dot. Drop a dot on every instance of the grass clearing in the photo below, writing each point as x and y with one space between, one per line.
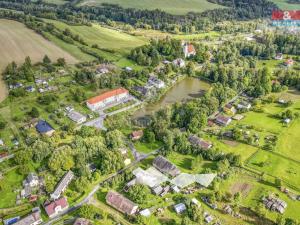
177 7
285 5
275 165
105 38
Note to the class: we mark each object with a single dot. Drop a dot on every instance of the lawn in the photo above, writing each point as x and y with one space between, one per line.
11 181
283 4
275 165
289 141
105 38
183 162
197 36
146 147
244 150
263 121
177 7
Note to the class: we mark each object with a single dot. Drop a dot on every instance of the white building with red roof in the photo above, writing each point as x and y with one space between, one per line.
188 50
56 207
110 97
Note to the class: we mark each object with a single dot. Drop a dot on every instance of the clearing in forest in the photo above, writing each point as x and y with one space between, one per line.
176 7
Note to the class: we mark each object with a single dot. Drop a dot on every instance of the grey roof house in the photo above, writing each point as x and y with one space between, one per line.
62 185
164 166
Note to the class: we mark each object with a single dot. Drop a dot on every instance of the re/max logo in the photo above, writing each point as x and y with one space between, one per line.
286 15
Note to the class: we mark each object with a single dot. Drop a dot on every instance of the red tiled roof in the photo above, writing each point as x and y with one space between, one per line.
191 48
289 62
137 133
50 208
106 95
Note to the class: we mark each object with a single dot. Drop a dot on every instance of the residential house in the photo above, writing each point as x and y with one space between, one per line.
31 219
230 109
197 142
62 185
136 135
82 221
145 91
127 161
223 120
188 50
121 203
153 80
289 62
76 117
244 105
31 180
180 208
114 96
195 202
44 128
279 56
179 63
164 166
56 207
157 190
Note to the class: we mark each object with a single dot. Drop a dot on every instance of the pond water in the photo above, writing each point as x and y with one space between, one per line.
185 89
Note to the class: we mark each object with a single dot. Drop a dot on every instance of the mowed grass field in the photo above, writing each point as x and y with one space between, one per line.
283 4
104 37
17 42
176 7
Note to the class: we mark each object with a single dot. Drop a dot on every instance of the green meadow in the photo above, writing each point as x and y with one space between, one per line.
177 7
285 5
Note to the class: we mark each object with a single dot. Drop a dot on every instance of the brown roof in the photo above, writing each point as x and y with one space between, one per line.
222 119
121 203
162 164
199 142
106 95
30 219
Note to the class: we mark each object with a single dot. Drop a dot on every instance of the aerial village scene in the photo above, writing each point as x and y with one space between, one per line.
150 112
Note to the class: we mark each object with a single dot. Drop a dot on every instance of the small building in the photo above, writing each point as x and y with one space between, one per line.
82 221
121 203
136 135
289 62
145 212
44 128
279 56
179 63
287 120
1 142
179 208
175 189
281 101
62 185
230 109
110 97
127 68
164 166
76 117
127 161
195 202
153 80
30 89
56 207
238 117
157 190
31 219
31 180
197 142
244 105
223 120
188 50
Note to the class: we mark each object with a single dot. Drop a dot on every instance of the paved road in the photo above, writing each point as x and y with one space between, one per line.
97 187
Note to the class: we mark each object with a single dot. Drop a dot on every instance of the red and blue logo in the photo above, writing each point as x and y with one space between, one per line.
286 18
